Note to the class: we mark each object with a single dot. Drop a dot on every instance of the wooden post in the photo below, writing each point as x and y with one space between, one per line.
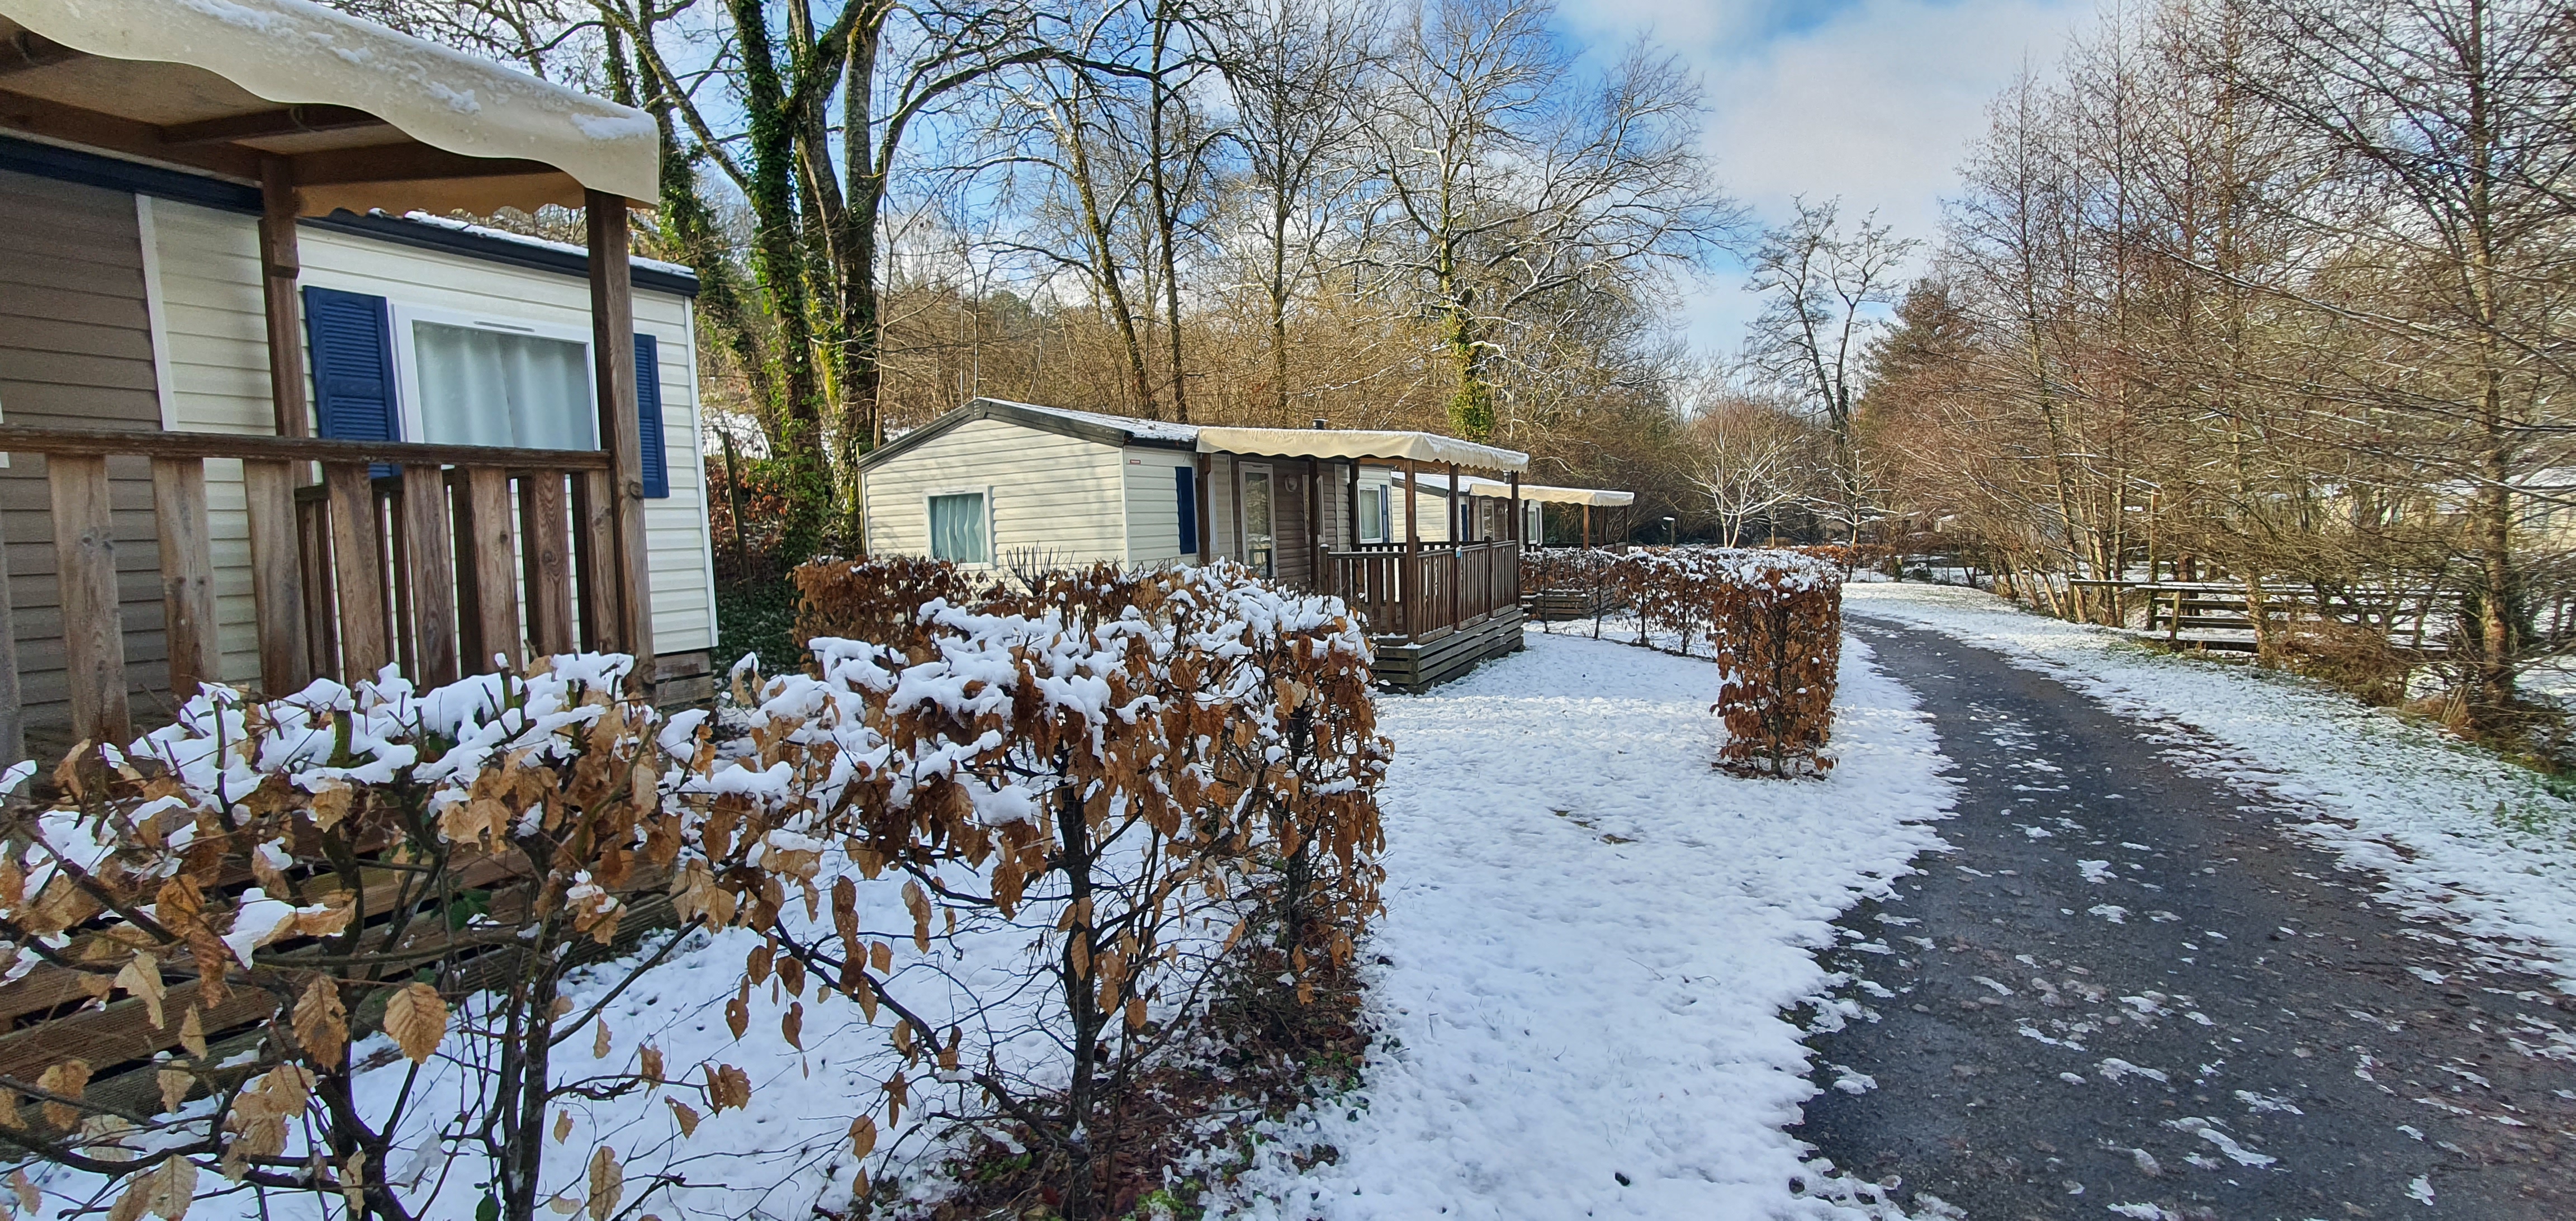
276 576
187 573
13 714
357 571
484 532
431 559
549 569
279 265
1207 525
1234 489
594 547
1411 588
1587 525
93 623
1314 525
612 329
1457 512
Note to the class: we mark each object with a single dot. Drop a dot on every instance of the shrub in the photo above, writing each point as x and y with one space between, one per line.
1034 835
273 884
1125 776
2360 661
1778 628
1771 617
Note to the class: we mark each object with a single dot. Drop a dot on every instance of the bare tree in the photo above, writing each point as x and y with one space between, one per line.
1824 285
1503 186
1298 71
1752 459
2445 123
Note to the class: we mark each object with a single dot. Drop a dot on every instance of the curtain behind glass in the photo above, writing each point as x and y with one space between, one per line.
485 387
957 528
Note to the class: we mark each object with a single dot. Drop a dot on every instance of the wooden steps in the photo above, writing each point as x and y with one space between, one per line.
1415 666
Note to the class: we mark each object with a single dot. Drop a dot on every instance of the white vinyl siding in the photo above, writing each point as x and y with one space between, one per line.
1052 495
1154 505
210 308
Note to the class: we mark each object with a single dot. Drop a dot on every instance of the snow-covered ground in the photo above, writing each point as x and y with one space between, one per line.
2462 837
1590 940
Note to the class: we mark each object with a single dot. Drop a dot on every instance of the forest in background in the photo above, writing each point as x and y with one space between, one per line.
2233 288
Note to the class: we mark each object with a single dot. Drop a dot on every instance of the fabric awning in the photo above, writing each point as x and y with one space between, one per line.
1359 443
370 118
1494 489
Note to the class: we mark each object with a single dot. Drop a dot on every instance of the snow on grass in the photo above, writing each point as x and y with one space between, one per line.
1590 940
2461 836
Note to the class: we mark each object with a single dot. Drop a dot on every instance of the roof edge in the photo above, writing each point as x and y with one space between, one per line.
997 409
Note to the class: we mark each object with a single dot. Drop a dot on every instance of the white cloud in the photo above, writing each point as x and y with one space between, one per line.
1874 101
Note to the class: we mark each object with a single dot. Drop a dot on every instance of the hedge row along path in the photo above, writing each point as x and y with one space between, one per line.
2131 992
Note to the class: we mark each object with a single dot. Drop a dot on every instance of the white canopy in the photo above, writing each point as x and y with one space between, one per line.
1359 443
221 69
1574 496
1498 490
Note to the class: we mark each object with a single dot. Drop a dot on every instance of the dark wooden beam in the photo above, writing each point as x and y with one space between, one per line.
289 121
280 265
404 163
91 129
612 346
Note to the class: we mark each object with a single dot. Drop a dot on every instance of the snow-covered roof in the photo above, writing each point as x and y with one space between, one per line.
1142 429
1360 443
224 83
1336 443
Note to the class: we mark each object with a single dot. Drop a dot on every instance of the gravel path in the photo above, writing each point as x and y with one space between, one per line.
2134 992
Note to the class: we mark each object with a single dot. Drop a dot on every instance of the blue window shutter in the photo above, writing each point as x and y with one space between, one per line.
648 418
351 338
1185 483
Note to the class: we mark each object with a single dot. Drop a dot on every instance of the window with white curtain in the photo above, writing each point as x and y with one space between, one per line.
485 384
957 528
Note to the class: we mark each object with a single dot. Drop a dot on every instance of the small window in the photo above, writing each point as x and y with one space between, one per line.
1185 489
957 528
1372 515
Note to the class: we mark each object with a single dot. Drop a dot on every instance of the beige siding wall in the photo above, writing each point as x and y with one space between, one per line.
75 352
1154 505
1059 495
208 264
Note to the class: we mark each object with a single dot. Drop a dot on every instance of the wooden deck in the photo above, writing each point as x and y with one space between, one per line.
1415 666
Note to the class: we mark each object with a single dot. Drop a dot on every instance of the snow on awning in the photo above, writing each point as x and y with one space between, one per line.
368 118
1359 443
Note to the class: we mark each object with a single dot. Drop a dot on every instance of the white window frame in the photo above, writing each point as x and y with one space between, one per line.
1373 521
1242 520
992 544
407 362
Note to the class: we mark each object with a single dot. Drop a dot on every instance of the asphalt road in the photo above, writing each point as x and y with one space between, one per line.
2133 991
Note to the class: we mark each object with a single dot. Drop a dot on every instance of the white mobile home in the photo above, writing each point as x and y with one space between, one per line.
1332 510
259 431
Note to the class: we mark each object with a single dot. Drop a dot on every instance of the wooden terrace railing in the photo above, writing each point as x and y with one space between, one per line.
1425 594
428 567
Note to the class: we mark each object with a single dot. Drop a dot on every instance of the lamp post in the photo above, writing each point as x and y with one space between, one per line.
1670 537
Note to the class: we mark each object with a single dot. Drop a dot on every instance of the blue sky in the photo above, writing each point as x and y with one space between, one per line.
1871 100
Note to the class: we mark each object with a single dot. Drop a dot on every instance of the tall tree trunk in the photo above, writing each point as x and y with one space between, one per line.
778 259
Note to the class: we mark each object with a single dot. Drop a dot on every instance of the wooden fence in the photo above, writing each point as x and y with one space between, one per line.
1426 592
431 557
